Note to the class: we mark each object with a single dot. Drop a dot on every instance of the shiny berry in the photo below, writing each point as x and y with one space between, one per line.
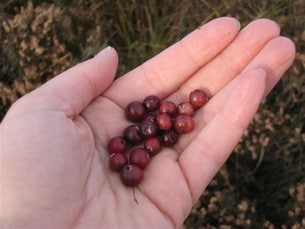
151 103
132 134
186 108
131 175
150 117
139 157
135 111
152 145
117 161
164 121
168 107
148 129
117 145
184 124
198 98
169 138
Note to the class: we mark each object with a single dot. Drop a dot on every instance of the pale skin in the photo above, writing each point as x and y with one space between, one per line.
54 166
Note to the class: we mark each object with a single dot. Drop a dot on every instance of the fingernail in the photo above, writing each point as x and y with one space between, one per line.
237 23
107 49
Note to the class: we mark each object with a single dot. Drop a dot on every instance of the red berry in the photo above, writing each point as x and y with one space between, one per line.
152 145
164 121
139 157
132 134
150 117
131 175
117 161
135 111
198 98
151 103
184 124
168 107
169 138
117 145
186 108
148 129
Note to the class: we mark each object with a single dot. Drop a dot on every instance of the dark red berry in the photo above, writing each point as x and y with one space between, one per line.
168 107
117 161
131 175
148 129
150 117
198 98
139 157
151 103
132 134
186 108
169 138
152 145
184 124
164 121
117 145
135 111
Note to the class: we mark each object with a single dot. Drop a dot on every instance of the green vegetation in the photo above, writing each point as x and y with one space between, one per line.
263 183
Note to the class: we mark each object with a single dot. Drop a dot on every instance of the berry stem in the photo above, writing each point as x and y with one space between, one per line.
134 195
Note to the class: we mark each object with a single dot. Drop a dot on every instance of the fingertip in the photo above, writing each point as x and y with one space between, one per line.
108 51
226 21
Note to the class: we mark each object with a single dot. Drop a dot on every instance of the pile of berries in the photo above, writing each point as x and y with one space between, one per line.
156 124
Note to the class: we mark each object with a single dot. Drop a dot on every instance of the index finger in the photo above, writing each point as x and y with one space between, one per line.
165 72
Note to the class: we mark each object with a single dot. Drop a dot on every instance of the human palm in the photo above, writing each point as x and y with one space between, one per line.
54 163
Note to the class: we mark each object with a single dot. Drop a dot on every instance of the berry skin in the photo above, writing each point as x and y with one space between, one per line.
151 103
135 111
168 107
150 117
184 124
152 145
139 157
198 98
131 175
148 129
117 161
186 108
169 138
164 121
132 134
117 145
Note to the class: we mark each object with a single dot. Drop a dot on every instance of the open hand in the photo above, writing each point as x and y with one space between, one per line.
54 166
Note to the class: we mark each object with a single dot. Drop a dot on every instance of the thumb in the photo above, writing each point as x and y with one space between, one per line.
74 89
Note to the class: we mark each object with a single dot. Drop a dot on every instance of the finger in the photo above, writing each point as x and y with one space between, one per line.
280 54
167 71
202 159
275 57
74 89
231 61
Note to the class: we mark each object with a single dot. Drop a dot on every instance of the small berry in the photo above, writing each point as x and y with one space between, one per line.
151 103
198 98
184 124
132 134
186 108
168 107
117 161
139 157
117 145
164 121
131 175
169 138
151 118
152 145
148 129
135 111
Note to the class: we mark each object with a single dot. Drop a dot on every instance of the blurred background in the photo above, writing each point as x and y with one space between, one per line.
262 185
